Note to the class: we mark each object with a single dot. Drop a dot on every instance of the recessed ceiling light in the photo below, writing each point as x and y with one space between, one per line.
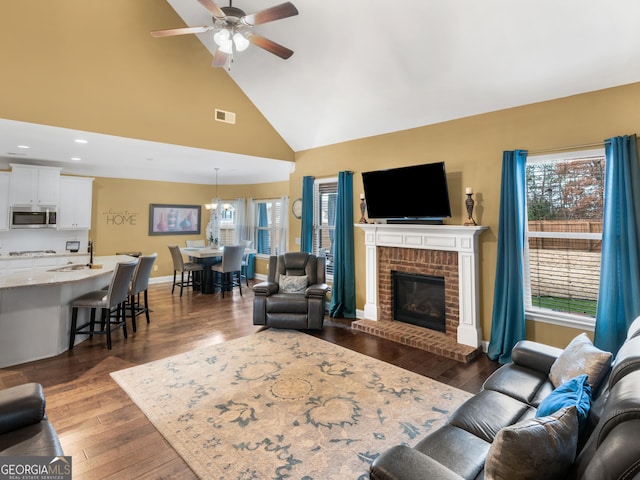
80 140
77 159
24 146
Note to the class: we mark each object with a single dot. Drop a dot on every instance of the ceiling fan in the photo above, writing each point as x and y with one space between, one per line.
234 29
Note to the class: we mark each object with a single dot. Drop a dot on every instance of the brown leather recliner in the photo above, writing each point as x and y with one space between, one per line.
286 300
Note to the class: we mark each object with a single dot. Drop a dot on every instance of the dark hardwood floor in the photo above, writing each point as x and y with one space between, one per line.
109 437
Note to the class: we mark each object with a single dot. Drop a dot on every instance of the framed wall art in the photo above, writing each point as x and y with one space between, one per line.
168 219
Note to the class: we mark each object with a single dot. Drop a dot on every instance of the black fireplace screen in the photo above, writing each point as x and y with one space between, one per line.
419 300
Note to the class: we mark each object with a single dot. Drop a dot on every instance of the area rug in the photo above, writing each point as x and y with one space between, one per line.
281 404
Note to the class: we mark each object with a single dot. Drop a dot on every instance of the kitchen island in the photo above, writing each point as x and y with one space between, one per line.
35 312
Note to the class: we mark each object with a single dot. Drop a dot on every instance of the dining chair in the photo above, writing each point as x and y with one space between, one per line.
139 285
110 302
245 261
179 265
195 243
227 270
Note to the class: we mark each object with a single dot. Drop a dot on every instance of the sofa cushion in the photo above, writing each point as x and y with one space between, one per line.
522 383
287 303
577 392
580 356
458 450
487 412
293 283
411 463
536 448
634 328
627 360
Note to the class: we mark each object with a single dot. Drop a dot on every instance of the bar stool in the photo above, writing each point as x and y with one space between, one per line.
195 243
179 265
140 284
231 264
244 267
113 298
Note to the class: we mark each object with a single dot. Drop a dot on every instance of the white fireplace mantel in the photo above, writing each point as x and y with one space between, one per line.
461 239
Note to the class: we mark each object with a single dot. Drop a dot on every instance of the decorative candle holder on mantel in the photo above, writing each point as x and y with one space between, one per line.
469 203
363 208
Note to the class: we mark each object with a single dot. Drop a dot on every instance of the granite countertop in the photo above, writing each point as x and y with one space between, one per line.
43 255
53 275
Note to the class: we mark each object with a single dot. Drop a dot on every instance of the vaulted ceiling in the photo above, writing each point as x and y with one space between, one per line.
367 67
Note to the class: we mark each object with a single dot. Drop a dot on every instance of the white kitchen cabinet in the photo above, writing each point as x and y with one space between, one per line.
4 200
31 185
74 209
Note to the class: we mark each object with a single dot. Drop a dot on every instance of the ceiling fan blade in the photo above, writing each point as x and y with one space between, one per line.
179 31
219 59
269 45
213 8
278 12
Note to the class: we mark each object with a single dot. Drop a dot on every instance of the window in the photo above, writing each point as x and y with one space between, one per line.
325 194
227 211
565 204
268 228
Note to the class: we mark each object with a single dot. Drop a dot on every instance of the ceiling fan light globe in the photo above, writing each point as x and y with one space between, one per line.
221 37
240 42
227 47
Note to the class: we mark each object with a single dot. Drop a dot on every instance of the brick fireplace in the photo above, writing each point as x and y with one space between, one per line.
443 251
425 262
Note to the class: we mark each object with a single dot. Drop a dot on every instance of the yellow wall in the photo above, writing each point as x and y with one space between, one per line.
120 217
472 149
93 66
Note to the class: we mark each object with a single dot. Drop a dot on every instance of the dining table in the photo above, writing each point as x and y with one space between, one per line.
207 256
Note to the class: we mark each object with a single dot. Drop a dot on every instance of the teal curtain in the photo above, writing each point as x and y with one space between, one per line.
619 296
306 228
343 291
508 321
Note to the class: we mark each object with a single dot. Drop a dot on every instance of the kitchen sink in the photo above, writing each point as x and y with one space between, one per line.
69 268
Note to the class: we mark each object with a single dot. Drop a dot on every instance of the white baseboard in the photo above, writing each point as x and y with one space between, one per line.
167 279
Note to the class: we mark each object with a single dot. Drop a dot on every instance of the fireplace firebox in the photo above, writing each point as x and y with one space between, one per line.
419 300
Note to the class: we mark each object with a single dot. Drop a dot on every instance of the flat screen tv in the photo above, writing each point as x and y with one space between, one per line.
414 192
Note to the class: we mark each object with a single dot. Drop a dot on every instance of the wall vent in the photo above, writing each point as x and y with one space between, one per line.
226 117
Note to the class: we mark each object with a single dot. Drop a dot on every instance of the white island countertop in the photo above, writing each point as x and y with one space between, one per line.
35 305
60 274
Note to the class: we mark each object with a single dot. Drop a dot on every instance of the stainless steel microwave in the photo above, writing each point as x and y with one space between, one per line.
34 217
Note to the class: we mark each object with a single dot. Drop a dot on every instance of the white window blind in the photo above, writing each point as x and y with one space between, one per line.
227 235
565 204
267 226
325 194
227 222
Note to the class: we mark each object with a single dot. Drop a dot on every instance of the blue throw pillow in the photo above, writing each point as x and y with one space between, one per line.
576 391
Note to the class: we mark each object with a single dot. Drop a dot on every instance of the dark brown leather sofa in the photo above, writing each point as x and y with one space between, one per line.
608 448
24 428
273 307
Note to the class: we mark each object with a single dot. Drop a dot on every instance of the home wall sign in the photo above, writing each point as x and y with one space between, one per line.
119 218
